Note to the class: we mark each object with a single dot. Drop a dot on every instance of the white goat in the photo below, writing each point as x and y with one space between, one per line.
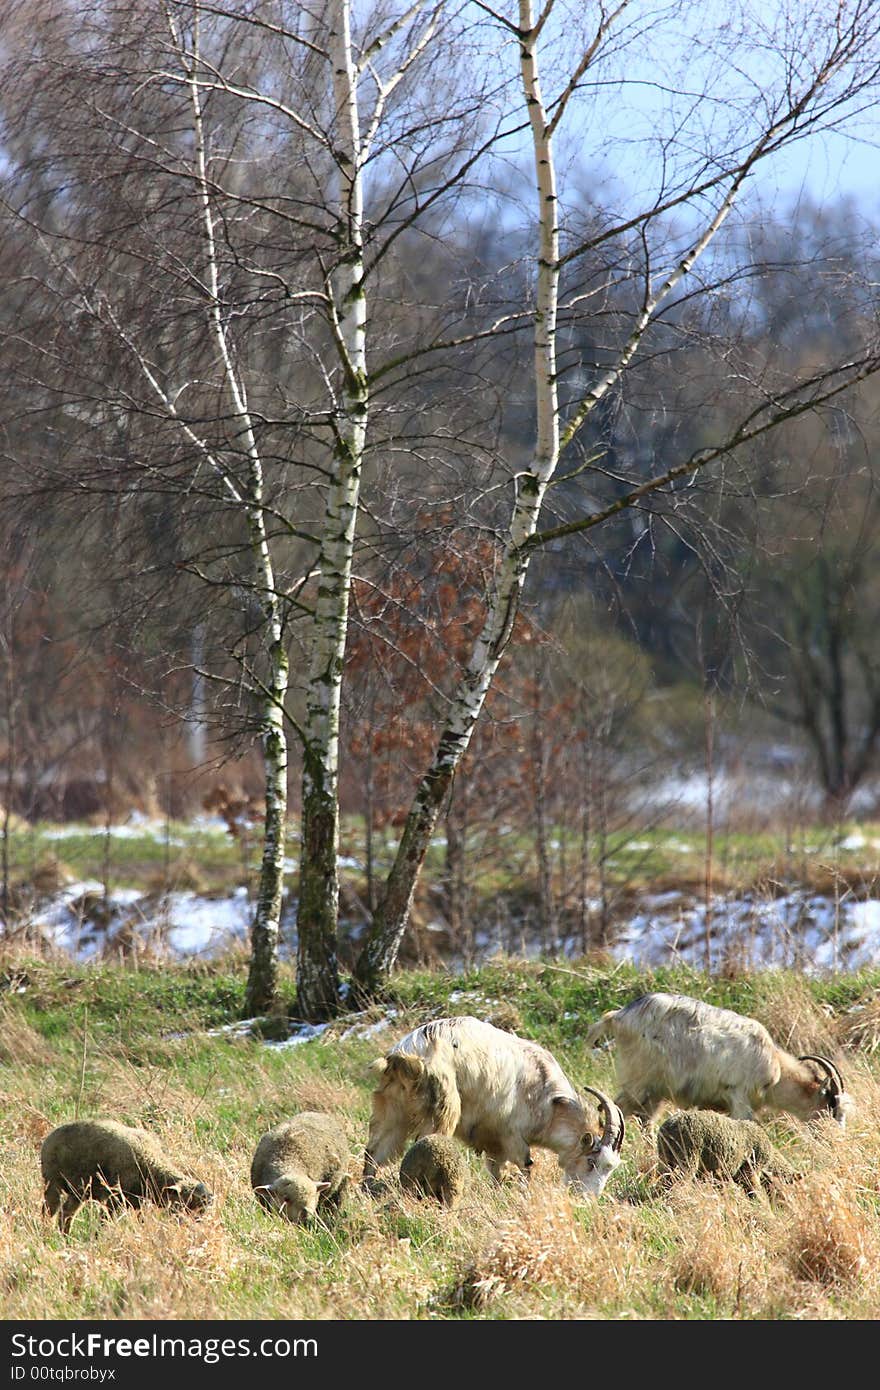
671 1047
497 1093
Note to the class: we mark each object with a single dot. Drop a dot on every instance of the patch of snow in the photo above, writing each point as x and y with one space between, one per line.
187 923
798 930
348 861
144 830
854 841
673 895
241 1028
369 1030
472 996
211 824
304 1033
196 926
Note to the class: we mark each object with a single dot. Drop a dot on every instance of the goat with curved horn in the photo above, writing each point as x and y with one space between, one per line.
498 1093
834 1090
612 1120
672 1047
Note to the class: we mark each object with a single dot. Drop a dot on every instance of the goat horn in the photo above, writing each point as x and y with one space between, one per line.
829 1069
612 1118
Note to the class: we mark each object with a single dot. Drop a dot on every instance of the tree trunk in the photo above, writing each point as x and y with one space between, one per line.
317 967
389 922
11 751
261 995
457 909
546 905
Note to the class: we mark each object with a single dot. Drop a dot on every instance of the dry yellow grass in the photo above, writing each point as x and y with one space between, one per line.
696 1250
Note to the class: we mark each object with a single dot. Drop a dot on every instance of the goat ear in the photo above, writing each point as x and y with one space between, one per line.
405 1066
322 1186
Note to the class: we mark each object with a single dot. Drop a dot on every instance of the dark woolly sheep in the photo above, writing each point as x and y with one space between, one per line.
703 1143
300 1165
434 1167
114 1164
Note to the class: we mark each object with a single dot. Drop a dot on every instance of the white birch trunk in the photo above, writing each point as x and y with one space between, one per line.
389 923
317 971
261 992
390 919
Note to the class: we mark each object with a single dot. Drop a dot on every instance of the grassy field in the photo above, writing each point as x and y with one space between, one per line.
142 1046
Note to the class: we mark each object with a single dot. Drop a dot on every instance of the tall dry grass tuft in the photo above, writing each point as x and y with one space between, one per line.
832 1240
324 1094
579 1256
721 1245
859 1028
530 1248
20 1044
792 1017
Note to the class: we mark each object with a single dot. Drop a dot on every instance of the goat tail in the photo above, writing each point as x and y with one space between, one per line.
603 1028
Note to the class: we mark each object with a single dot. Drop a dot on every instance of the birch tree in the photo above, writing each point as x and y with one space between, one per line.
223 206
213 164
830 66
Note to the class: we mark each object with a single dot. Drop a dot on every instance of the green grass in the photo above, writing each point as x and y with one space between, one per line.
639 859
136 1044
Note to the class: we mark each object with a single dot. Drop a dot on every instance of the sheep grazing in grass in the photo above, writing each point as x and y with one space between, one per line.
703 1143
301 1165
434 1167
113 1164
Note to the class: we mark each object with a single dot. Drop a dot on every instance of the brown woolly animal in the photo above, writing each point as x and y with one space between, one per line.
301 1165
434 1167
113 1164
702 1143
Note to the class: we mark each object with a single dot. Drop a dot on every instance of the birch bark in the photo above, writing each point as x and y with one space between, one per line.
390 919
262 985
317 969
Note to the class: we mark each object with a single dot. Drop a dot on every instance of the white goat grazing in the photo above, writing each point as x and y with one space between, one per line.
671 1047
497 1093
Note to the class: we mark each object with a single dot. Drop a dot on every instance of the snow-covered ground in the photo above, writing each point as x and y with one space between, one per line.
80 922
739 795
748 930
800 930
